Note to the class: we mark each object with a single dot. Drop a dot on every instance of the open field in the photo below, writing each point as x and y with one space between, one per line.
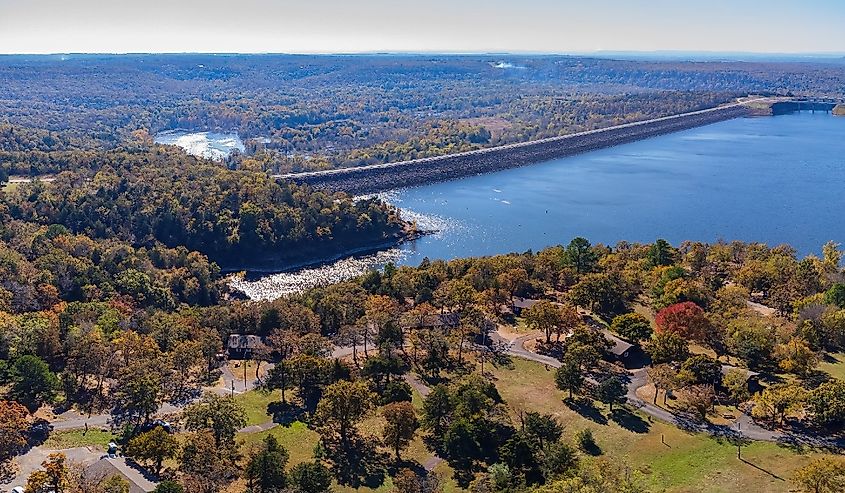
672 460
79 438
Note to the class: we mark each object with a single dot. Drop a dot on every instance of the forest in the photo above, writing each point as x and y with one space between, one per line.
578 368
313 112
425 375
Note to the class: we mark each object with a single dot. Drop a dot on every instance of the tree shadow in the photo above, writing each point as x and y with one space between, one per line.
286 413
814 378
586 409
185 396
630 421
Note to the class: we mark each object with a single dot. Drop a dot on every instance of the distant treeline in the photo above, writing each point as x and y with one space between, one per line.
310 112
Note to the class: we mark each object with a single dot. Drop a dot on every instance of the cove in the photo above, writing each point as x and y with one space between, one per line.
774 180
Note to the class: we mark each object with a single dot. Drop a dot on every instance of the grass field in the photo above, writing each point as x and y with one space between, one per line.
833 364
78 438
671 460
255 404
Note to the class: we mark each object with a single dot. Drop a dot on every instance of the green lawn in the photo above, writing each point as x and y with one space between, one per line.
78 438
833 364
687 462
255 403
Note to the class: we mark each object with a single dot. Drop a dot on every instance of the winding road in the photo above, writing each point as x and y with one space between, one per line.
639 378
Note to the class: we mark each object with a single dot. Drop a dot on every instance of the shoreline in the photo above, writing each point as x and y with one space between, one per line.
381 177
287 266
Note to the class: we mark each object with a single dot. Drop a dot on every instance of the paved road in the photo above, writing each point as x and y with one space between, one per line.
31 461
638 378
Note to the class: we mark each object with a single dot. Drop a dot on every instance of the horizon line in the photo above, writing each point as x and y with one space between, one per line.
827 54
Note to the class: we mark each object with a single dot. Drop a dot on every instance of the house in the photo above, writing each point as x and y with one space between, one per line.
520 304
242 346
139 481
621 349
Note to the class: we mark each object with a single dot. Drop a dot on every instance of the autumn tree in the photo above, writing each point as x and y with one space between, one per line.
698 399
14 425
778 400
663 377
667 347
343 405
400 426
684 319
823 475
544 316
153 447
206 466
53 476
826 403
795 356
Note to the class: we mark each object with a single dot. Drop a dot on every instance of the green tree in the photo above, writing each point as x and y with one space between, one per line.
223 416
544 428
701 369
115 484
569 377
265 468
32 381
611 390
153 447
400 426
580 256
558 459
168 486
661 253
835 295
632 326
310 477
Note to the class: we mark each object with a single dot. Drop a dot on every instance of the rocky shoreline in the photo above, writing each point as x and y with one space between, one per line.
377 178
281 263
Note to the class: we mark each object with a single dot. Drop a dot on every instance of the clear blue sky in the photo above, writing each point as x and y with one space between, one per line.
319 26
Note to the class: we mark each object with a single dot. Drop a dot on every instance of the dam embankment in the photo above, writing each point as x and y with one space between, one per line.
376 178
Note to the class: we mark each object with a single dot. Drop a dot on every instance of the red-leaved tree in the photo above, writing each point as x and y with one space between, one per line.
684 319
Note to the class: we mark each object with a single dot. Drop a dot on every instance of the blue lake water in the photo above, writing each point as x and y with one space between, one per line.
771 179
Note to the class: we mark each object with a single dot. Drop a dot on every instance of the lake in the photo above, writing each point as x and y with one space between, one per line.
210 145
770 179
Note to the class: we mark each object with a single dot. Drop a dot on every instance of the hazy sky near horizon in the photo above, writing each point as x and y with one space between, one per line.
320 26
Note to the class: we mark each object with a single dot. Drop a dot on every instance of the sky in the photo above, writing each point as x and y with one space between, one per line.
346 26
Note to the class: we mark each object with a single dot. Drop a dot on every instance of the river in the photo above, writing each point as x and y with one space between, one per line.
773 179
210 145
